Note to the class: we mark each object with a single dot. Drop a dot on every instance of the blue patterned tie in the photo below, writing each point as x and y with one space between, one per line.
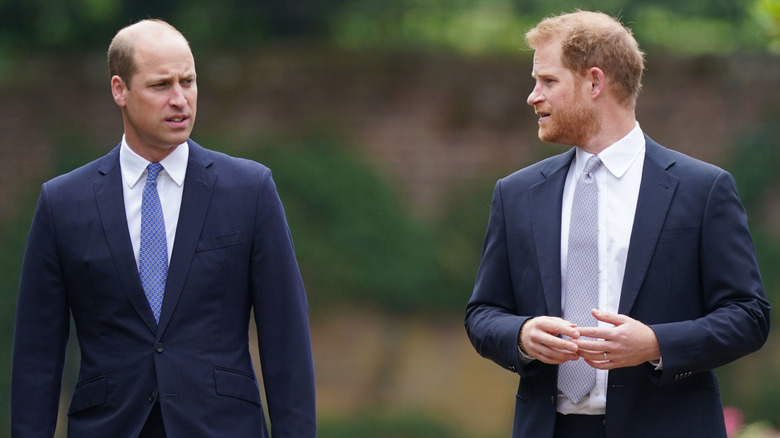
575 379
153 256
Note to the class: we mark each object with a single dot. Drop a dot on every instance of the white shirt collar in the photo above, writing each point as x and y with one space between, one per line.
619 156
133 165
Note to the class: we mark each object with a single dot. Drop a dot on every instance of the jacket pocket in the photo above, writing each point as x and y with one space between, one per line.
219 242
234 384
677 233
88 394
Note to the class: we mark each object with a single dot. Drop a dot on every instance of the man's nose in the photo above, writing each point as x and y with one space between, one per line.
177 98
535 96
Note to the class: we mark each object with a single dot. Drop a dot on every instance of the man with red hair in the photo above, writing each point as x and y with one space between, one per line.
616 276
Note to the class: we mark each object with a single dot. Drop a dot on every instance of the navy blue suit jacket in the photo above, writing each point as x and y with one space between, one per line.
232 254
691 275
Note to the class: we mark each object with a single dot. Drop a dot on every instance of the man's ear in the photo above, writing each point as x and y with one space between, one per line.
118 87
595 76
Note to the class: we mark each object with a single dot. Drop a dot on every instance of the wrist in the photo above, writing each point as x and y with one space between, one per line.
520 339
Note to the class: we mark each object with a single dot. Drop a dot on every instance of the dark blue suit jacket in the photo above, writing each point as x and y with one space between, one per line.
232 254
691 275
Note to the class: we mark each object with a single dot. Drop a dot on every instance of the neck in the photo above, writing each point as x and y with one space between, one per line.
153 154
614 126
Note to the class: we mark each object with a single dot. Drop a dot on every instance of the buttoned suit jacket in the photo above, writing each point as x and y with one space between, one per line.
691 274
232 254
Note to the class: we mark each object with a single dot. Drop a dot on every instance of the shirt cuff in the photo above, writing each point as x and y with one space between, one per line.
524 358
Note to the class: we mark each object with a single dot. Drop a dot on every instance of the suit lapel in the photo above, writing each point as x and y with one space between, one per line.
198 187
546 205
655 196
111 208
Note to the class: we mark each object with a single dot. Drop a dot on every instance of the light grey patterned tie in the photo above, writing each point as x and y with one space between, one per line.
575 379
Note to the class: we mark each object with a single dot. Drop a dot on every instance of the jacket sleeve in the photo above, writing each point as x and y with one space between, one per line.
281 315
40 333
735 319
492 320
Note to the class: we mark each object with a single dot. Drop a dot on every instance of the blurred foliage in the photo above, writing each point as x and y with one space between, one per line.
465 25
755 170
10 264
353 238
767 14
695 34
90 24
459 233
355 241
13 237
691 27
758 430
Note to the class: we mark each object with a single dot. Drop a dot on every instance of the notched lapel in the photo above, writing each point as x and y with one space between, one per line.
546 205
199 185
655 196
111 208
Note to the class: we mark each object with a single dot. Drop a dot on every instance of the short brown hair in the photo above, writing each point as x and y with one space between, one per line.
594 39
121 51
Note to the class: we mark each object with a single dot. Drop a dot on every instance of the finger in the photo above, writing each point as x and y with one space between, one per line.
598 345
566 345
609 317
551 360
552 346
601 364
554 356
593 355
556 326
572 331
557 358
595 332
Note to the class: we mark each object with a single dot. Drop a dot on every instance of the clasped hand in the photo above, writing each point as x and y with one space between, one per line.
627 342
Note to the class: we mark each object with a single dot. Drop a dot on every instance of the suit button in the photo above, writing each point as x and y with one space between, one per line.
159 348
152 397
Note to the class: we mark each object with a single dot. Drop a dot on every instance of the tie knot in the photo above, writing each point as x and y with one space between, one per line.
593 163
154 170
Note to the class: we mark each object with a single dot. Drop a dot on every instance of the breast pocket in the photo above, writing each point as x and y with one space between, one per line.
218 242
678 233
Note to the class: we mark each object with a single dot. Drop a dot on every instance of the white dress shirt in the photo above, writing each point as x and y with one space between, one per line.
170 186
618 181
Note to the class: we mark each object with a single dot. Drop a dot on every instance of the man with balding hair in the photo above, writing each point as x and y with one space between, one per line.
616 276
161 251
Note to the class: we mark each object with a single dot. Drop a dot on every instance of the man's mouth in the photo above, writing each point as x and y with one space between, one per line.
178 121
